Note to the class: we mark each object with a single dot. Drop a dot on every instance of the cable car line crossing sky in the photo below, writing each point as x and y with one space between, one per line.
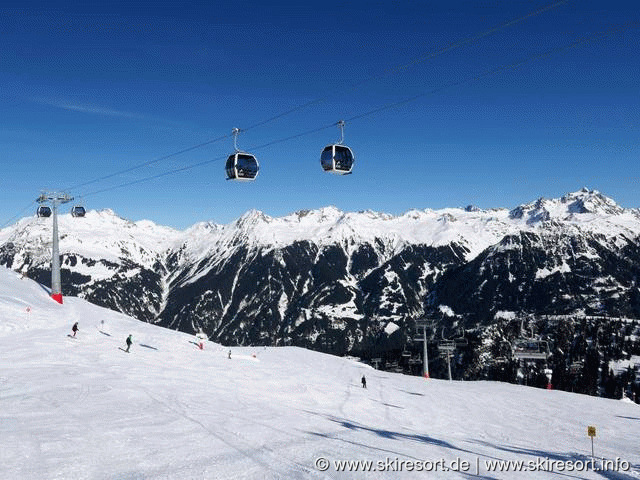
435 96
389 72
19 214
488 73
146 164
498 70
428 56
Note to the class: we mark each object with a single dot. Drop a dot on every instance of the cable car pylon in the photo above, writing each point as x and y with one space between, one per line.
54 199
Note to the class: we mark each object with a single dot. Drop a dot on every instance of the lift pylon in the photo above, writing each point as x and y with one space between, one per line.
55 199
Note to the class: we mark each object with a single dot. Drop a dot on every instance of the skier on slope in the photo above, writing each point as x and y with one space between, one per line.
200 339
364 382
129 342
75 328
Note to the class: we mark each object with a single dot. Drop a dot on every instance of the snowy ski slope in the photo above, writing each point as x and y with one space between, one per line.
84 409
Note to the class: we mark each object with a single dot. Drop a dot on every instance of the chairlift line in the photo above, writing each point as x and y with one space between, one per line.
391 71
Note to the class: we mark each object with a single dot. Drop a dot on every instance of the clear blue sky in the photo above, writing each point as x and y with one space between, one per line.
87 91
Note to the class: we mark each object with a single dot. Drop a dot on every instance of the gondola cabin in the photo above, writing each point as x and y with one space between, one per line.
44 211
78 211
242 167
338 159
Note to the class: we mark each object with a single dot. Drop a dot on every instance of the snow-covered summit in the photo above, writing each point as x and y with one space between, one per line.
99 234
105 234
570 207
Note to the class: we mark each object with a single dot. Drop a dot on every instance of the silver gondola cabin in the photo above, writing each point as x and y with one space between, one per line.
44 211
337 158
78 211
241 166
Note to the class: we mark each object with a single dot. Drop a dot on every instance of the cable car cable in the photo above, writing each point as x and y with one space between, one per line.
488 73
428 56
19 214
503 68
145 164
205 162
388 72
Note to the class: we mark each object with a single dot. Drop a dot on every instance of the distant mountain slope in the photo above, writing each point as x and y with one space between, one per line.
328 279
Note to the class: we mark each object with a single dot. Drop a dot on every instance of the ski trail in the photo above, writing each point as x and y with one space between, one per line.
275 457
383 401
247 450
347 396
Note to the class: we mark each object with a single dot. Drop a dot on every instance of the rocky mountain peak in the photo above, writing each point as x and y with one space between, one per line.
591 201
584 201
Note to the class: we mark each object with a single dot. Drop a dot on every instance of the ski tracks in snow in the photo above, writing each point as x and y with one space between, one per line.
266 458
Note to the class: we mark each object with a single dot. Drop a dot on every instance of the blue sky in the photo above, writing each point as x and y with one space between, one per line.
88 91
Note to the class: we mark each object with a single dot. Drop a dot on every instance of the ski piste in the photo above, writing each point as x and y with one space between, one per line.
172 412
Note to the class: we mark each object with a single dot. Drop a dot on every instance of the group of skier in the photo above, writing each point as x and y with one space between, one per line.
128 341
200 336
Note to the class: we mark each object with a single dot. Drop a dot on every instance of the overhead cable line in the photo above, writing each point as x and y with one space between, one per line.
205 162
15 217
145 164
488 73
470 40
391 71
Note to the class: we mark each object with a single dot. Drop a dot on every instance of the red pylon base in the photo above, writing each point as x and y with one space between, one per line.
57 297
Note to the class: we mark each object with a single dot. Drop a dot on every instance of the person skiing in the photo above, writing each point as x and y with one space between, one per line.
200 338
229 355
129 342
364 382
74 329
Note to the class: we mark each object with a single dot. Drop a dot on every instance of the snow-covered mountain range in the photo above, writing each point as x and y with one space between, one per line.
329 279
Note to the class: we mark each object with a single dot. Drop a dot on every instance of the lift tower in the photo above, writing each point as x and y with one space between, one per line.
55 199
423 324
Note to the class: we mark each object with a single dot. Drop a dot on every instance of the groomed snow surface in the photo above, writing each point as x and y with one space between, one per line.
84 409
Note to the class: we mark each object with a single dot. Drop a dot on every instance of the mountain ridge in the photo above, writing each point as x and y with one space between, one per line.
329 280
